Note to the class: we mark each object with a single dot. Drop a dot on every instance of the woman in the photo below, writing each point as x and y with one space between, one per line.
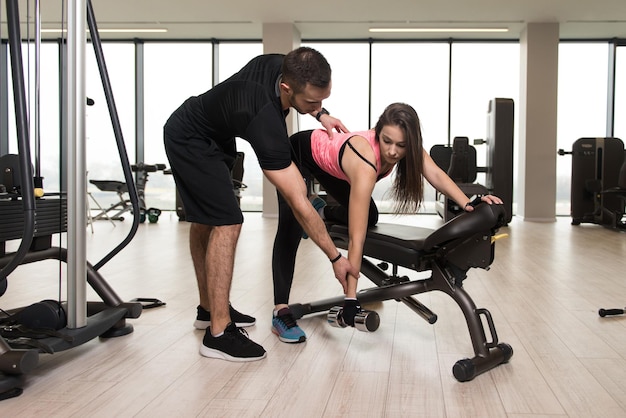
348 167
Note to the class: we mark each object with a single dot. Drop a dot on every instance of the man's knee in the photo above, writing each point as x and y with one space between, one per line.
227 230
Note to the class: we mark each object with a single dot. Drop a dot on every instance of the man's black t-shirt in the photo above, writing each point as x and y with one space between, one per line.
246 105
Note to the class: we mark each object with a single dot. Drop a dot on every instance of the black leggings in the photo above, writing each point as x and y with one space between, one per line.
289 231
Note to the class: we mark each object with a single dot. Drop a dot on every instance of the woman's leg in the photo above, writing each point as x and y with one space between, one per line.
286 245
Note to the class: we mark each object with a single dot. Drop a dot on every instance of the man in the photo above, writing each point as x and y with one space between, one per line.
200 145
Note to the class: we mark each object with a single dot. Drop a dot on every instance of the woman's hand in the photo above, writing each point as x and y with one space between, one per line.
488 198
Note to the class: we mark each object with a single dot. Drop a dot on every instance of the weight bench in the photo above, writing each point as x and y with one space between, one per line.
117 209
464 242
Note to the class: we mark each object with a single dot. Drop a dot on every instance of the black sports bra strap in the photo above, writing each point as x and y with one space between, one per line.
360 156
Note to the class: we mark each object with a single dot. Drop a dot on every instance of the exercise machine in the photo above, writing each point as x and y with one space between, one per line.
598 185
610 312
116 210
467 241
459 161
51 326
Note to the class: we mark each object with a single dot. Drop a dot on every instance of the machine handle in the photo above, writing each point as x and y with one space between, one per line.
605 312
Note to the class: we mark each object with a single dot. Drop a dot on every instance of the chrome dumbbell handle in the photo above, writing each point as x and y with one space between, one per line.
334 317
366 321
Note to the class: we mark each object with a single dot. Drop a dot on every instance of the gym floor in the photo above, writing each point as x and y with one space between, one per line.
543 290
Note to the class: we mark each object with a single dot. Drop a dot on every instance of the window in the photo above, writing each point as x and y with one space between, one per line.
480 73
582 106
349 99
173 72
416 74
619 127
103 161
49 111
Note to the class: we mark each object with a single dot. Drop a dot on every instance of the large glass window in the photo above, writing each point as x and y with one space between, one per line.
103 161
48 113
480 73
619 127
582 106
416 74
349 99
173 72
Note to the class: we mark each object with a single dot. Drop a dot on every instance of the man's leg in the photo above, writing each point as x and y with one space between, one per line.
223 339
220 262
199 236
198 242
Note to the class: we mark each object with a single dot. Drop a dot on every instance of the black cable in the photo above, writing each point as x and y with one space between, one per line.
117 130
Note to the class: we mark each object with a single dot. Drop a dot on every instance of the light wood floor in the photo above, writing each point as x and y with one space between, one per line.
544 290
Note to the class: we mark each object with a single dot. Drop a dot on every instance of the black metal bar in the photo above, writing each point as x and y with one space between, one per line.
119 138
23 138
95 280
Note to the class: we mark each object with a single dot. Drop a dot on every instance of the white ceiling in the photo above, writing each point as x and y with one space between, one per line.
339 19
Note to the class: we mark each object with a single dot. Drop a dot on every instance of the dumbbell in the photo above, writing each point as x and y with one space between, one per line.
366 321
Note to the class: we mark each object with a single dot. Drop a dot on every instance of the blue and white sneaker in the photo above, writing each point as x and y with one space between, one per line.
318 203
285 327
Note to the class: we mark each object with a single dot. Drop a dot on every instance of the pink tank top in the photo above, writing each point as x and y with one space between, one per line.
326 151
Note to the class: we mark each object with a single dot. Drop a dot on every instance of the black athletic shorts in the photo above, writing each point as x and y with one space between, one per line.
202 172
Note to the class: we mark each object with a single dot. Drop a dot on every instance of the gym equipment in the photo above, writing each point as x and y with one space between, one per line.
124 205
366 321
116 210
596 194
464 242
459 161
610 312
51 326
620 193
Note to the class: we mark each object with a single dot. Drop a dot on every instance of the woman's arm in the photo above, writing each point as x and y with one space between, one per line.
362 178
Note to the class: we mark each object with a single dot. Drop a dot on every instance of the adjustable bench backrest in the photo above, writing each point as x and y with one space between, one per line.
407 246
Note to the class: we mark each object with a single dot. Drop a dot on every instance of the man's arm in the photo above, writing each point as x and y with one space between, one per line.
290 184
328 122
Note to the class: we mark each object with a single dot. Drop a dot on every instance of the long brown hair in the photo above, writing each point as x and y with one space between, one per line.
408 185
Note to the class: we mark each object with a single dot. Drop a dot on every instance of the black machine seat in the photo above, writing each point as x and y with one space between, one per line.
397 244
405 245
110 186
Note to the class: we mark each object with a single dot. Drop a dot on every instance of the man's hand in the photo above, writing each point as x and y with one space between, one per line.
329 123
342 268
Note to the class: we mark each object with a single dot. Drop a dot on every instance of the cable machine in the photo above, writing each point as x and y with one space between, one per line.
54 325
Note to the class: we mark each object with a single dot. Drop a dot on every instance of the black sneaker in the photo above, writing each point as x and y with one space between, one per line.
203 319
233 345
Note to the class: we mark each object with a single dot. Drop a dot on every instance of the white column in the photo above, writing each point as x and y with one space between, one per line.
536 197
278 38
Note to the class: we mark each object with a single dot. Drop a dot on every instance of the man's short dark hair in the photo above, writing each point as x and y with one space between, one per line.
304 66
